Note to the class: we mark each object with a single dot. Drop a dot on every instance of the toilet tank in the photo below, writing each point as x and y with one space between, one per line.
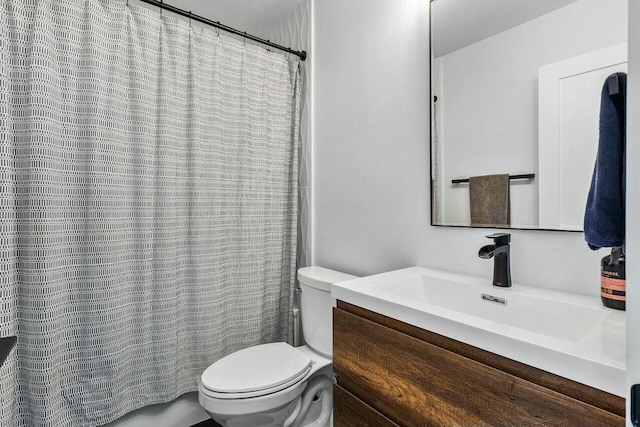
316 305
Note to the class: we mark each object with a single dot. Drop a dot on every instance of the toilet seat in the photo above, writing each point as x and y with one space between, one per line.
256 371
256 393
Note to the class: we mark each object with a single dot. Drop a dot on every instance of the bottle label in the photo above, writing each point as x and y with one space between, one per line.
614 289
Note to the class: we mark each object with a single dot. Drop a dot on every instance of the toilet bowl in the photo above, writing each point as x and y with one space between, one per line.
257 398
276 384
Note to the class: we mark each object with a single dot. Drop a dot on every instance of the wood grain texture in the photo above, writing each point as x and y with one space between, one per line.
598 398
349 411
415 383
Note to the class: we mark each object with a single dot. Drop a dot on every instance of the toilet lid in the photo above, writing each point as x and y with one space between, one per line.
262 367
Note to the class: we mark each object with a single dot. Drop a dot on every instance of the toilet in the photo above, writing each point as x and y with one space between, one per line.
277 384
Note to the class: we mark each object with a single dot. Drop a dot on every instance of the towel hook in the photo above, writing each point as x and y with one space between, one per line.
613 83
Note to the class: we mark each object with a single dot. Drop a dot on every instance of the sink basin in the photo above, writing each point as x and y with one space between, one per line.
569 335
555 318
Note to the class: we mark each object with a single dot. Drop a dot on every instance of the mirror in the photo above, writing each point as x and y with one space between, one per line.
516 88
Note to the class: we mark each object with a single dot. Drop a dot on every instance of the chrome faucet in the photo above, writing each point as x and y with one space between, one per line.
499 251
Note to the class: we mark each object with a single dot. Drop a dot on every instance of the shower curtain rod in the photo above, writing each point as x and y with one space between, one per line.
302 55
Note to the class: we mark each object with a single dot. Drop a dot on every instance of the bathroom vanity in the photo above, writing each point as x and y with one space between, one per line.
392 372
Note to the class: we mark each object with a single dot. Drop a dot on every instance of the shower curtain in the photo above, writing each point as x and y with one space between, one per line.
148 205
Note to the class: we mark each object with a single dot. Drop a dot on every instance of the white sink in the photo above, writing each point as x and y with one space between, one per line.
552 317
570 335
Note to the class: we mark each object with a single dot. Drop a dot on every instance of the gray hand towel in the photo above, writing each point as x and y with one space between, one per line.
489 201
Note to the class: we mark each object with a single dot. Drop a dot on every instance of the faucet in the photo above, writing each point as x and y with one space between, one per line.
499 251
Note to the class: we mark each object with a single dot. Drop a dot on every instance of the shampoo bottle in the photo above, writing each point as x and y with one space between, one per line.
612 280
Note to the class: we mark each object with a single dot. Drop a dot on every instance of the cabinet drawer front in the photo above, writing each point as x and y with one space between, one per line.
418 384
349 411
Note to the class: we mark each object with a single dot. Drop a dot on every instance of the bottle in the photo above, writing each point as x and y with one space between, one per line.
612 280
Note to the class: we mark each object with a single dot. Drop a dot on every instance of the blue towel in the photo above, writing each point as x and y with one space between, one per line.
604 215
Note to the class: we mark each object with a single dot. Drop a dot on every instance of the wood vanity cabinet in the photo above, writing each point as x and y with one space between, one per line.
390 373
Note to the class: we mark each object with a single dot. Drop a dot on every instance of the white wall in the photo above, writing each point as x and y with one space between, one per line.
489 100
371 158
633 203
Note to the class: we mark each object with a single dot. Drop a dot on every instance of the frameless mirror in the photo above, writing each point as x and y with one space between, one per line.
516 90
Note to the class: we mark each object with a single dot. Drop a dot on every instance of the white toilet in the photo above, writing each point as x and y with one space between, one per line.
277 384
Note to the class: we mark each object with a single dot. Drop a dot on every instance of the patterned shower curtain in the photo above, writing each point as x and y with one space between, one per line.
148 183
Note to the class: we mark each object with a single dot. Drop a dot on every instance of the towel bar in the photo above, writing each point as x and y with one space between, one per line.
524 176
